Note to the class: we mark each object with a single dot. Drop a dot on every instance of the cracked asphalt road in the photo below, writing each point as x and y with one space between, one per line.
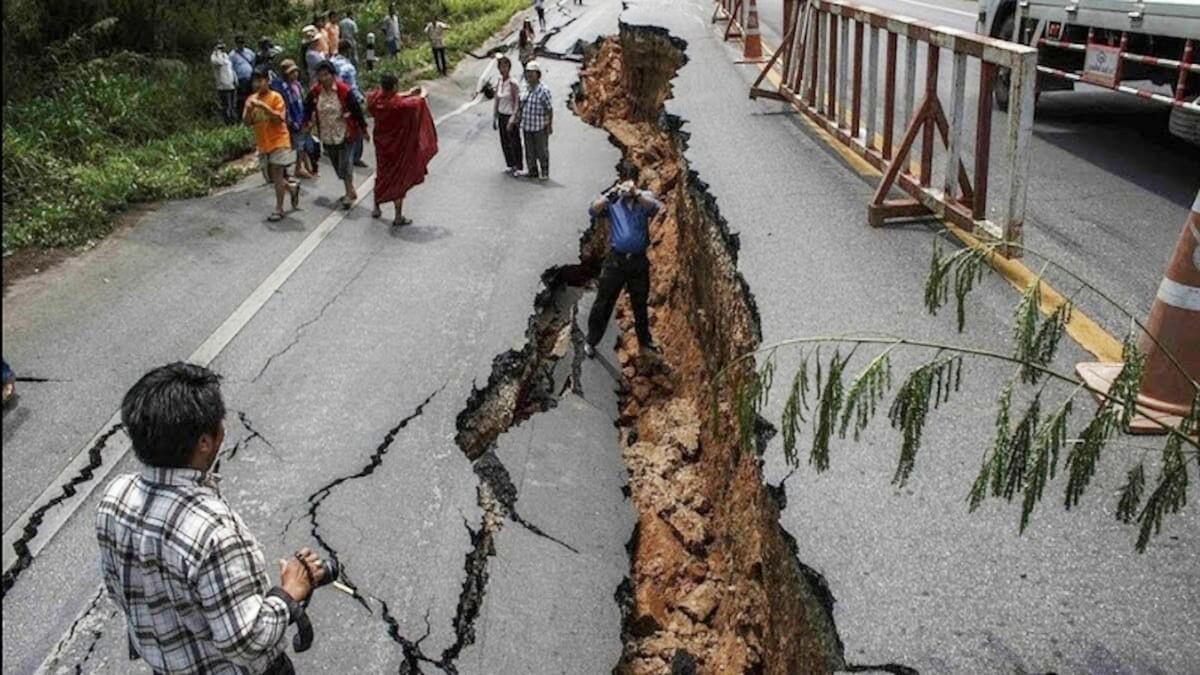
360 335
375 321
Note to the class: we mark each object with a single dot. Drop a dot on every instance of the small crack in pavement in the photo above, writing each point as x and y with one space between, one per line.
411 649
321 313
30 530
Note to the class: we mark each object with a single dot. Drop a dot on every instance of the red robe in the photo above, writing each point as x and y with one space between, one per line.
405 142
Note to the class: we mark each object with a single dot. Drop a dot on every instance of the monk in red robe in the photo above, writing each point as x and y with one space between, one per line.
405 142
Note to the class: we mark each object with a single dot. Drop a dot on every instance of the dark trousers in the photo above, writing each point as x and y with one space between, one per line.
356 150
630 271
510 143
439 59
537 153
541 12
227 99
243 92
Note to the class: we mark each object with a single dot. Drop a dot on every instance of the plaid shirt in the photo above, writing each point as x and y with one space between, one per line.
190 577
536 108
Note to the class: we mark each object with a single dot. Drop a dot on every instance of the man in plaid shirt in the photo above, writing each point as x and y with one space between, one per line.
536 117
175 557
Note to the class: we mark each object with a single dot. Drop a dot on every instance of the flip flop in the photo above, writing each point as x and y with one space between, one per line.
376 212
402 222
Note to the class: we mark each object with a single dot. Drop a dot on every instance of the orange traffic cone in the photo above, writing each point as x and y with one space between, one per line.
752 41
1166 393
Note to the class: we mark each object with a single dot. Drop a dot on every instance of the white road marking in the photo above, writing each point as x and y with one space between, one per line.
118 446
940 8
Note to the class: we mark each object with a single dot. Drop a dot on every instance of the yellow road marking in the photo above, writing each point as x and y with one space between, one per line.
1086 332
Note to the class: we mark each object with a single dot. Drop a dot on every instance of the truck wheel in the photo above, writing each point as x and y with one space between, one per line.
1185 124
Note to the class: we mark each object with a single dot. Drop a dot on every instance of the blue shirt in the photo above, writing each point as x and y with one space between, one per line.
346 71
293 99
242 61
628 222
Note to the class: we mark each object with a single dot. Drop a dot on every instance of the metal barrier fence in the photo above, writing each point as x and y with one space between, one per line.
835 81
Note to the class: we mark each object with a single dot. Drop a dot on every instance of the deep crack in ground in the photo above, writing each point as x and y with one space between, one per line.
716 583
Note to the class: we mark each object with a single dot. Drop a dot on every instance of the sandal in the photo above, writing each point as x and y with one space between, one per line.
376 212
402 222
275 217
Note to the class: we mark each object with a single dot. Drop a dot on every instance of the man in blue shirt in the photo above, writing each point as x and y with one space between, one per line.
242 60
628 211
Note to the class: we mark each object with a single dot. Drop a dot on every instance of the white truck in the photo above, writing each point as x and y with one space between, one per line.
1149 49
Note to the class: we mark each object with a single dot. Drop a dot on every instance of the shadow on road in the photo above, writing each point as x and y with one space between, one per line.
420 234
1125 137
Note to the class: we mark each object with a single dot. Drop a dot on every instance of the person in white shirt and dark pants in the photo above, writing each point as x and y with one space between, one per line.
508 100
226 84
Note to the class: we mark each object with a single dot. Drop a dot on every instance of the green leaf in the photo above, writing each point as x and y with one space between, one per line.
1131 493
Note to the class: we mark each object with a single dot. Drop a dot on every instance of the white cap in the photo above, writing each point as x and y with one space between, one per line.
533 65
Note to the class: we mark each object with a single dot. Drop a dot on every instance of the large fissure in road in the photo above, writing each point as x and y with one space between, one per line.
715 584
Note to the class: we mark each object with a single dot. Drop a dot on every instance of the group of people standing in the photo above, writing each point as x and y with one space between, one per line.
295 122
525 119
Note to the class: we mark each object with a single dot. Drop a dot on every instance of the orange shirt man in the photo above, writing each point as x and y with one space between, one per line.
266 114
333 34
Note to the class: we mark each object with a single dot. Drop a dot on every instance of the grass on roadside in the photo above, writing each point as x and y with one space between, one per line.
124 129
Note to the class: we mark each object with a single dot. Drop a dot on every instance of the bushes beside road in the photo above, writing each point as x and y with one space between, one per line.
119 130
91 127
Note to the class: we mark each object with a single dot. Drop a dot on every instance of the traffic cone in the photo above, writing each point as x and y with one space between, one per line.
1165 393
752 41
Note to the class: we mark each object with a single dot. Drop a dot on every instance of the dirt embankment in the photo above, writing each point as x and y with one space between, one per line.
715 585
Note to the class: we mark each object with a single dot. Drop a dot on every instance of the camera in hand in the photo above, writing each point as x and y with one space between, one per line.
329 574
303 638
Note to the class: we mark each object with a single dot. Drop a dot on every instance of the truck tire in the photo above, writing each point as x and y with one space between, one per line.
1185 124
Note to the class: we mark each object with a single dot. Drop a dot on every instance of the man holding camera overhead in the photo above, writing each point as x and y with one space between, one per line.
628 211
175 557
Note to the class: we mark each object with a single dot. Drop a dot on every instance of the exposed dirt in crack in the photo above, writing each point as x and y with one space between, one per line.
716 585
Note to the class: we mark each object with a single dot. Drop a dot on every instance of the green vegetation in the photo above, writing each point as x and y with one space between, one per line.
92 124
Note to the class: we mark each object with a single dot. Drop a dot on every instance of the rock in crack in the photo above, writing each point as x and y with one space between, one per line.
716 584
21 546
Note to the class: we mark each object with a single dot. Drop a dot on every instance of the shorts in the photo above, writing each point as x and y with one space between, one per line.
278 157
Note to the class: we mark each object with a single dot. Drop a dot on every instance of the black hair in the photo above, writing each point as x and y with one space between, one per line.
345 47
626 170
260 73
332 12
326 65
389 82
169 409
